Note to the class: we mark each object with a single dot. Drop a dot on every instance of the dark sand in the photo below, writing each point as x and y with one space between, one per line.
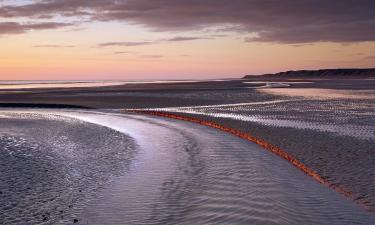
167 95
52 166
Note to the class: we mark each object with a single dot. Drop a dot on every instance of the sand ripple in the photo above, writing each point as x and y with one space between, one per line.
174 173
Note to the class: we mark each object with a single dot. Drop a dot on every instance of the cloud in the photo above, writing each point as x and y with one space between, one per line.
370 57
139 55
139 43
125 43
177 39
350 32
17 28
46 8
289 21
120 52
151 56
53 46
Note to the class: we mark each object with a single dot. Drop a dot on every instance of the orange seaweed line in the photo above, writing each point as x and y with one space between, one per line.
267 146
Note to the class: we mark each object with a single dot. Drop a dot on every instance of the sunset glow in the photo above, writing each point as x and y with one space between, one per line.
145 40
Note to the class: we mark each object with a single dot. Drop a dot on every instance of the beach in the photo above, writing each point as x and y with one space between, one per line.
84 155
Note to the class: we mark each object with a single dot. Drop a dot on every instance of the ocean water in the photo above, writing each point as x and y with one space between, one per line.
19 85
33 84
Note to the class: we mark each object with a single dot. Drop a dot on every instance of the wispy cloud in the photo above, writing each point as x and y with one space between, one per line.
139 55
370 57
182 38
17 28
125 43
139 43
53 46
151 56
120 52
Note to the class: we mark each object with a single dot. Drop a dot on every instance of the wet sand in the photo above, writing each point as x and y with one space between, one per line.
169 94
332 133
114 168
51 166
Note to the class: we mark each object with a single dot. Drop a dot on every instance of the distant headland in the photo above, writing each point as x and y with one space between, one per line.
322 73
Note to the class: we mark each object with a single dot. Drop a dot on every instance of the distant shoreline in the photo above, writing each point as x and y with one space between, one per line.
353 73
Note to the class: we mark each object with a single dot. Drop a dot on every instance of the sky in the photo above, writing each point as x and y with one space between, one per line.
181 39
